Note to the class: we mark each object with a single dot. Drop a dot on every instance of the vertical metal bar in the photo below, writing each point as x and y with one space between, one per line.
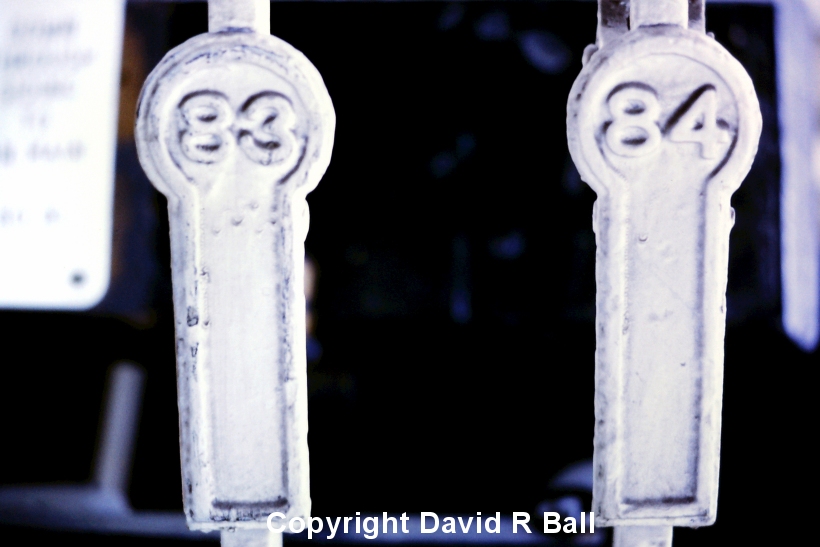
226 15
613 20
664 128
658 12
123 400
697 15
236 127
250 538
642 536
799 195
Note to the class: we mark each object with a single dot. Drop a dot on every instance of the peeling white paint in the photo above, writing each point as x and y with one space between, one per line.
235 127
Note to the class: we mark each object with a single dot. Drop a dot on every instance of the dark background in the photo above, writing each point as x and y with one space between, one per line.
452 362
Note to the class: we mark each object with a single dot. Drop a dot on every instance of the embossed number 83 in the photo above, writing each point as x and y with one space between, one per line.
263 127
634 130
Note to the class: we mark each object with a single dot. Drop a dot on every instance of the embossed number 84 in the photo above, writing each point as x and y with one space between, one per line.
635 131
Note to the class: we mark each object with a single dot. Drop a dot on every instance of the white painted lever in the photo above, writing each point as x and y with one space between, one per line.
235 127
663 124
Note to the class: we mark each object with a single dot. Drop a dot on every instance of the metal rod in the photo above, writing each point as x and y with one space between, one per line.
250 538
658 12
112 462
642 536
233 15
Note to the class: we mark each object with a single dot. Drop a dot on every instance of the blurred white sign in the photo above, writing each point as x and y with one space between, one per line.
59 85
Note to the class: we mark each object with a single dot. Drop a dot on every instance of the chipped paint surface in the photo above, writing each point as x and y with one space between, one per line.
235 128
663 124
